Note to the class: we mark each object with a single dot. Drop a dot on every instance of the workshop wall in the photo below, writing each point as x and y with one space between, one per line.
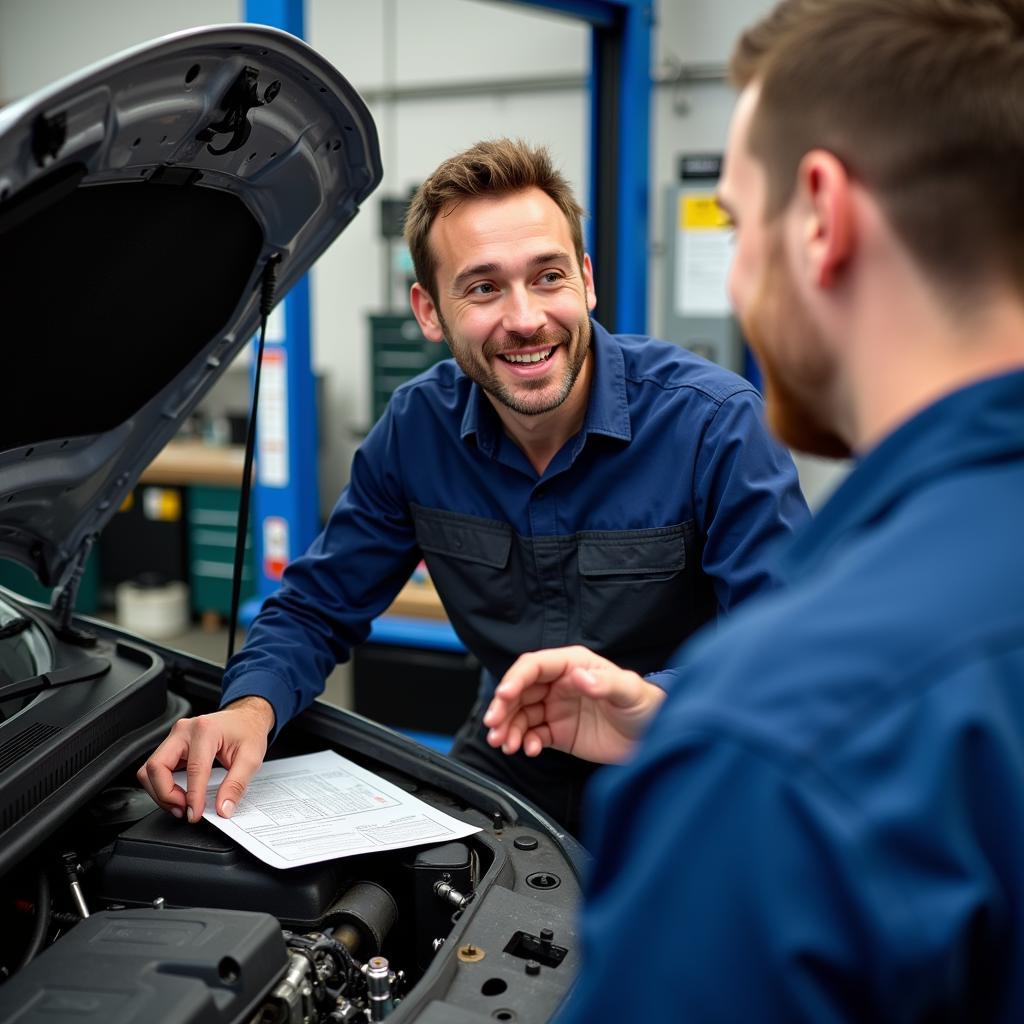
437 75
691 108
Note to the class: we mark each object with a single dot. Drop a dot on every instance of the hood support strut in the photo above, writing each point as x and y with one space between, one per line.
64 599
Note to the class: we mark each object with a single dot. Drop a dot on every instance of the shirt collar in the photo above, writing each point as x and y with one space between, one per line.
978 423
607 408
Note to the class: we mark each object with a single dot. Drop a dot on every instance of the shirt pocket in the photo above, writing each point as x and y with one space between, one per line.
635 587
468 559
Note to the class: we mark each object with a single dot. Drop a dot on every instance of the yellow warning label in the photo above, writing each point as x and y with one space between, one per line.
702 213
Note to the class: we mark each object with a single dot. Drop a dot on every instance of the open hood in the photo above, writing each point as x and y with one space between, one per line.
140 203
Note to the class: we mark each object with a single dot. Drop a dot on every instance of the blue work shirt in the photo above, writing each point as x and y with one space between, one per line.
825 821
650 520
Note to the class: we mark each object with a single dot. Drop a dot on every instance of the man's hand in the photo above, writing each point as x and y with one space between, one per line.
236 736
573 700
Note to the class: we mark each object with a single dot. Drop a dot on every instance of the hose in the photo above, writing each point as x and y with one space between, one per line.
42 921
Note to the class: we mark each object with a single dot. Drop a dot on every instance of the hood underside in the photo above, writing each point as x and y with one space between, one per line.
140 202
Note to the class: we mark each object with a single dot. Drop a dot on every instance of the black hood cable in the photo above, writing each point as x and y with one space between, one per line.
267 286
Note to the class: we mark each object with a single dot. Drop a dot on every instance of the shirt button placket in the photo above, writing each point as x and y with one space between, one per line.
548 564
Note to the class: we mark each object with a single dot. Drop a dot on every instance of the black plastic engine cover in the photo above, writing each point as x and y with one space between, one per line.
198 866
158 966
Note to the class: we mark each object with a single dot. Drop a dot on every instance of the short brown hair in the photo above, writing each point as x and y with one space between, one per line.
493 168
921 100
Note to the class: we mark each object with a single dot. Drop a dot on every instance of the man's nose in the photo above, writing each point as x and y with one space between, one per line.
522 314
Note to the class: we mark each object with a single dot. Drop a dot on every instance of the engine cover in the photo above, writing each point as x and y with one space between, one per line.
195 865
158 966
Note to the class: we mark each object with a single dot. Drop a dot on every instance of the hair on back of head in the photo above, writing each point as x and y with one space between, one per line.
921 100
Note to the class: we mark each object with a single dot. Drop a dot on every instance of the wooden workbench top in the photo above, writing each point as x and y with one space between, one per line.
192 462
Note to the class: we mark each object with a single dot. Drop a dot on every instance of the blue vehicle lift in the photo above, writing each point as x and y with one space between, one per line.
286 502
286 513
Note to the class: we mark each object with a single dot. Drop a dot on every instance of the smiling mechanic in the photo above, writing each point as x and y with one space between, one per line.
563 484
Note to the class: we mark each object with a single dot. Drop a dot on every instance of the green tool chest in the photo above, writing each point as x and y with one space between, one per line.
398 351
212 521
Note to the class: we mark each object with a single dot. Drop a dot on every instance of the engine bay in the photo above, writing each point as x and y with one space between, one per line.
113 910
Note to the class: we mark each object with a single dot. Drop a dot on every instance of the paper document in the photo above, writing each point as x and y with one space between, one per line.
301 810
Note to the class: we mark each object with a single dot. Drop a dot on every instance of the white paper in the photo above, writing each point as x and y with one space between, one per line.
302 810
702 273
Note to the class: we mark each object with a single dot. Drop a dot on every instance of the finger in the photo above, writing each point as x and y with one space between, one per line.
230 792
496 736
498 712
526 723
536 740
501 710
621 688
514 734
543 667
156 774
202 751
526 719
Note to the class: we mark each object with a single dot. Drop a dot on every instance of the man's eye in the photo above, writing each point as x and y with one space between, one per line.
551 277
484 288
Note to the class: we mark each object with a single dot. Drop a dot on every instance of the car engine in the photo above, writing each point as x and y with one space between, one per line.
113 910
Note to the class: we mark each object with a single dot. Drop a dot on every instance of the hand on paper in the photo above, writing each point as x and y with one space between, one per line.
236 736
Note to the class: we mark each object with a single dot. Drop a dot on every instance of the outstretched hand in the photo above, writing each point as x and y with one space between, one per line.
236 736
573 700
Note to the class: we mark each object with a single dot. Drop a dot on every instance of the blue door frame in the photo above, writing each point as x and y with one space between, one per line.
285 496
286 509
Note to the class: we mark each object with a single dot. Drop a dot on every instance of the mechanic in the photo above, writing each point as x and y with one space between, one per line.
563 484
823 820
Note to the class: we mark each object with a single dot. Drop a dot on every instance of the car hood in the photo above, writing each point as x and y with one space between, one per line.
141 200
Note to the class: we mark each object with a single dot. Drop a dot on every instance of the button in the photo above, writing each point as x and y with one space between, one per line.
525 843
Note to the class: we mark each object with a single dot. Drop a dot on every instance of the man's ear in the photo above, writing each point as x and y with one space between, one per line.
825 202
588 282
425 310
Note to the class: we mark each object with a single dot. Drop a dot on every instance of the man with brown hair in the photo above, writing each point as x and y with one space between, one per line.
563 484
823 820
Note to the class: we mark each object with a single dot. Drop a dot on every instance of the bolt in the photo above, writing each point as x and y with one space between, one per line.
532 967
470 954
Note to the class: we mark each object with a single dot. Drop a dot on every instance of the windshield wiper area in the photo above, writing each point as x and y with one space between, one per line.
80 672
14 627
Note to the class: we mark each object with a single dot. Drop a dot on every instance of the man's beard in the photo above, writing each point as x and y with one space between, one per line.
797 368
477 366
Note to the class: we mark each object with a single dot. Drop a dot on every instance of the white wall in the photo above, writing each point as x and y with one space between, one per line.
382 44
694 118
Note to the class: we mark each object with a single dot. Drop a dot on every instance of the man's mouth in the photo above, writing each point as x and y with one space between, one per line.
528 357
